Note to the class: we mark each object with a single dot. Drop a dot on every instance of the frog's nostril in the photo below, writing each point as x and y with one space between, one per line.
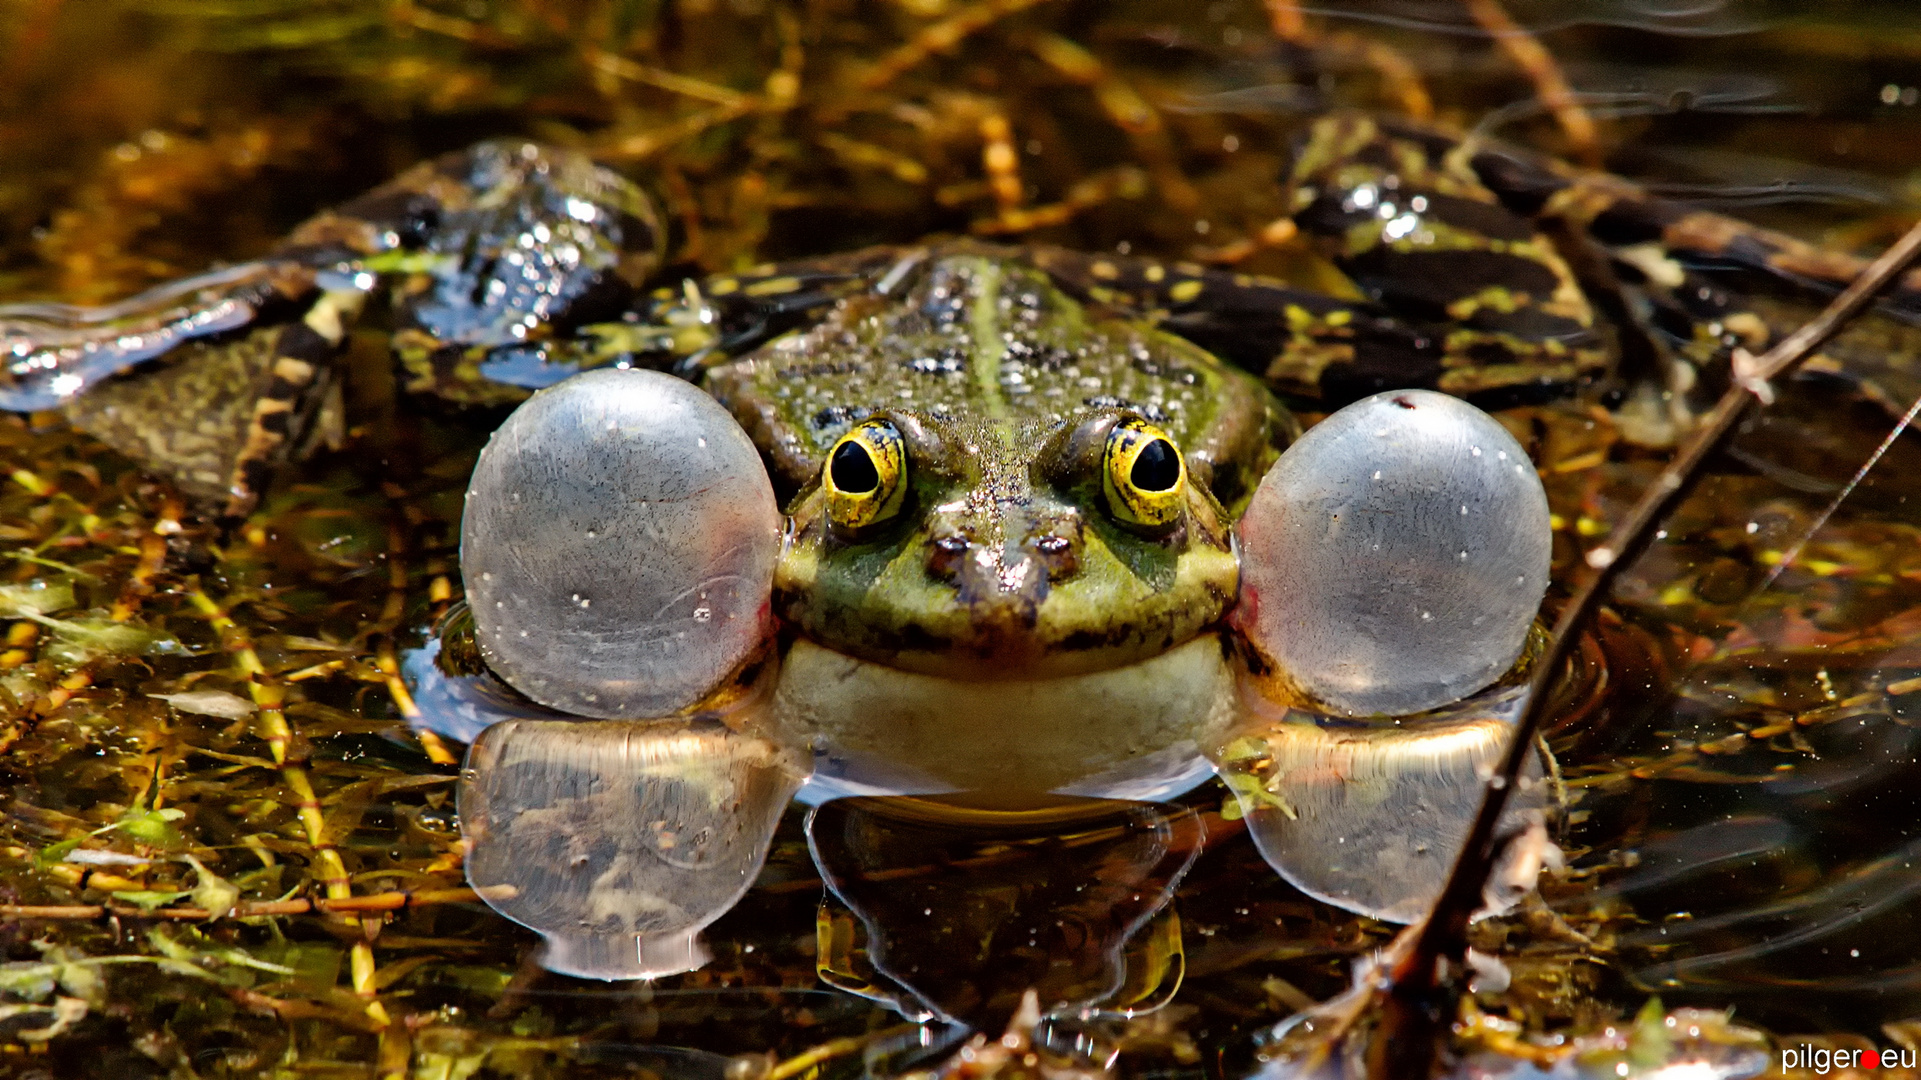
1057 554
944 557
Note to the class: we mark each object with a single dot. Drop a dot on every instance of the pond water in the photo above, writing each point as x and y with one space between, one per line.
195 717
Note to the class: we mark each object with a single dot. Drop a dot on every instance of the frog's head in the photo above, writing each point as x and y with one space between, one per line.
991 481
937 546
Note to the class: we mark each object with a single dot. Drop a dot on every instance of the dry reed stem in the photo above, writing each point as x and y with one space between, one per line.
1550 84
938 38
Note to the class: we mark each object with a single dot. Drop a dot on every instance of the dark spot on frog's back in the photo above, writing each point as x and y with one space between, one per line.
948 360
1486 219
945 300
834 416
1526 324
1148 410
1522 186
1046 357
1424 283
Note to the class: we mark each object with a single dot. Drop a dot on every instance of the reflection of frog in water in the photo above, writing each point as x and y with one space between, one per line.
1010 477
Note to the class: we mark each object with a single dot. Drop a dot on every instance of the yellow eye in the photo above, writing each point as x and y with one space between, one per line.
1146 479
866 475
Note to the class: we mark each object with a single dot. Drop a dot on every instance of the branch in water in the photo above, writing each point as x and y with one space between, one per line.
1419 1005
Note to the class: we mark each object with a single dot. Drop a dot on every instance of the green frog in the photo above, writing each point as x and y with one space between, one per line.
995 542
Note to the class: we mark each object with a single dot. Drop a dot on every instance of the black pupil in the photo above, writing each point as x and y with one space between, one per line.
1156 469
852 469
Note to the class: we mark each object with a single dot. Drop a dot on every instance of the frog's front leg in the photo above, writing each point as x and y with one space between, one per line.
1392 563
618 549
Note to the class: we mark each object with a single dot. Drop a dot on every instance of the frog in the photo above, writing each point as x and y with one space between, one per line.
1017 483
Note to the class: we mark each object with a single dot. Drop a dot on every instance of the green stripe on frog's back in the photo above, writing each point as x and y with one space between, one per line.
989 348
979 341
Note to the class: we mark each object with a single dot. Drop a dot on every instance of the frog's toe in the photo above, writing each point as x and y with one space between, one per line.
618 546
617 841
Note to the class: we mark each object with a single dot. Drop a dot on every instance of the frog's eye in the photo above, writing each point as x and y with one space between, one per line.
1145 478
866 475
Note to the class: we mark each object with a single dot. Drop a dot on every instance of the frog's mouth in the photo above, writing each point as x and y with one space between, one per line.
1137 731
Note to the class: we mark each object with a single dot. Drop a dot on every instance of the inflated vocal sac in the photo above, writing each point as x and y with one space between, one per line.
618 546
1393 559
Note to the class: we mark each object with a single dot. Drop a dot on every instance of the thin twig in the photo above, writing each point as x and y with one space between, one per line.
633 71
270 699
1820 520
1413 1023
